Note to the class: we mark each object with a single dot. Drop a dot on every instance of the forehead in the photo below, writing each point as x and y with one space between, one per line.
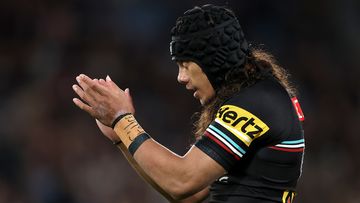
188 63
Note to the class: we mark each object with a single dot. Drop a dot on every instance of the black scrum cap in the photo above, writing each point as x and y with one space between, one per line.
210 36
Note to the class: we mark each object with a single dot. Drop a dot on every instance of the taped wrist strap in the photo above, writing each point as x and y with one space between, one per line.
130 132
118 118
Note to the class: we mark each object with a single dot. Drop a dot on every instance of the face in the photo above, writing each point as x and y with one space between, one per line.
192 76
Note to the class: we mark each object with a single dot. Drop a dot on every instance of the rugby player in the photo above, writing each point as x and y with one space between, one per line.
249 138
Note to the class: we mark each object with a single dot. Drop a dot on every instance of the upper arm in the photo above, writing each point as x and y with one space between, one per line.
202 169
180 176
229 136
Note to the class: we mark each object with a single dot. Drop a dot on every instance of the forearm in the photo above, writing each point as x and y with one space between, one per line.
180 177
141 172
173 173
198 197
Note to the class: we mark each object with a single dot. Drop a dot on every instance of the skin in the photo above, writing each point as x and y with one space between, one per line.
177 175
191 75
198 197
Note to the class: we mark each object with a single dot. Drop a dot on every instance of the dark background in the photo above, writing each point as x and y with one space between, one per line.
51 152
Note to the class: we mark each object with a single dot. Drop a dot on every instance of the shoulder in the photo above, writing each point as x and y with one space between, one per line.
263 107
264 94
265 97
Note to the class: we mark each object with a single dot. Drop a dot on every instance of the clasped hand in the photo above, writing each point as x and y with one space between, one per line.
102 99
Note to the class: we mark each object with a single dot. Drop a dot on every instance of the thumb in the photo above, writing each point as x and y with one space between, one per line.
129 98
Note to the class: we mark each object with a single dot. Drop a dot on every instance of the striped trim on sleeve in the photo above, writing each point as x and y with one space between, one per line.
290 146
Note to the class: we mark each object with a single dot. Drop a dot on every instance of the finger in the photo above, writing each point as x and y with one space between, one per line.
87 83
91 86
83 95
83 85
104 83
83 106
88 94
101 82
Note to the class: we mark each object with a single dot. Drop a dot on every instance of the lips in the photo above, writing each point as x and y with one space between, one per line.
195 94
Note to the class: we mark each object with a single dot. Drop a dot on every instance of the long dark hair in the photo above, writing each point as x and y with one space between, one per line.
259 65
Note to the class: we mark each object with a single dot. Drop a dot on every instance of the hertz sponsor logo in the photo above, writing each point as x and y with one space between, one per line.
241 123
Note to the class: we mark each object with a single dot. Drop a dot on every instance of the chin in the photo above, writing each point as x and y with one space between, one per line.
204 102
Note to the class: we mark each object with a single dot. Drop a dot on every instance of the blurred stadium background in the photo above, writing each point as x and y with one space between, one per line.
51 152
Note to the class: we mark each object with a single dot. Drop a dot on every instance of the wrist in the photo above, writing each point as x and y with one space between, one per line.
117 119
130 132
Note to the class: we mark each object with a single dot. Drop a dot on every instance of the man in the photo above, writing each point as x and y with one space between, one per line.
250 141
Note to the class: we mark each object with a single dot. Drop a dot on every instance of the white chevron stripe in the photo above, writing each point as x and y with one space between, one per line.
291 146
243 137
225 142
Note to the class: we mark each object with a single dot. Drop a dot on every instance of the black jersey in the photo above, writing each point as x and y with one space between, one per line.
258 138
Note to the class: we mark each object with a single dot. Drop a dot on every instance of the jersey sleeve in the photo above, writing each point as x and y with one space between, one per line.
228 138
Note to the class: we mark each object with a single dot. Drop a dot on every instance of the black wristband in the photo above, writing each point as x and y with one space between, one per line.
118 118
137 142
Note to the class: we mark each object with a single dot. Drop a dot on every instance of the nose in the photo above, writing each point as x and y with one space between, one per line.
182 77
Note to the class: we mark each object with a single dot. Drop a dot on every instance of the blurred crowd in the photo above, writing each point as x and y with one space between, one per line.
51 152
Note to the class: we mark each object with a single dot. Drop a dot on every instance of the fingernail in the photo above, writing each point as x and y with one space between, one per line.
74 87
108 78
